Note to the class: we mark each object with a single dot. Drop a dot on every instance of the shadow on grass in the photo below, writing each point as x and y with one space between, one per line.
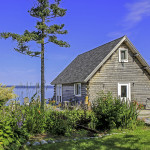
117 142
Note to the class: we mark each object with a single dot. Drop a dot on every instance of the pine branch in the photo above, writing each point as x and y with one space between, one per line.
61 43
56 29
22 40
56 11
24 49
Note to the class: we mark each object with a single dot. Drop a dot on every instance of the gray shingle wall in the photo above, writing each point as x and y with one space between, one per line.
113 71
68 92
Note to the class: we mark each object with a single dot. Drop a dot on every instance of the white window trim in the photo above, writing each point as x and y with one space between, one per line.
122 49
128 90
75 89
60 85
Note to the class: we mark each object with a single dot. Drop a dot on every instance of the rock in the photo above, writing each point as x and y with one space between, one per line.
74 139
64 140
85 138
49 141
147 120
43 142
36 143
106 134
28 143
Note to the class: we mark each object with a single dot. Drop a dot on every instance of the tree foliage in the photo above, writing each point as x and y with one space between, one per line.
42 10
43 34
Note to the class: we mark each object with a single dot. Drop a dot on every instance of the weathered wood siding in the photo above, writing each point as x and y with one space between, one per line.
68 92
114 72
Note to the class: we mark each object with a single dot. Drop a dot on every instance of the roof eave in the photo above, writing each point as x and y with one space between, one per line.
105 59
54 83
139 56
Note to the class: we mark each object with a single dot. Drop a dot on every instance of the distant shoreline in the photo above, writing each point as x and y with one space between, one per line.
30 86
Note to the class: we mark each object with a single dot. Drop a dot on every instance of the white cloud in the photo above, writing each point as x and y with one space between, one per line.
136 12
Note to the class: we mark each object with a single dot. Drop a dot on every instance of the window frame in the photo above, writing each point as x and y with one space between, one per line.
75 84
128 90
60 95
126 53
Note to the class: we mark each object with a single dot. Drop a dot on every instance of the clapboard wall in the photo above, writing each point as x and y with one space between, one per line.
114 72
68 92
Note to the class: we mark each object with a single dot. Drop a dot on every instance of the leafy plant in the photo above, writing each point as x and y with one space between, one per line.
6 93
12 135
114 113
34 118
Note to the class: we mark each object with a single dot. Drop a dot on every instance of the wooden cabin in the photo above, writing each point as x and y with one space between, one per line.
116 66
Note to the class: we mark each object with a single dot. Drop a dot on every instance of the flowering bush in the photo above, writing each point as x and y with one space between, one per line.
12 133
138 105
34 120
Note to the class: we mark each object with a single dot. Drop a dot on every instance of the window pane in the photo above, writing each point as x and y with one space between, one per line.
123 91
79 89
57 90
123 55
75 89
60 90
57 98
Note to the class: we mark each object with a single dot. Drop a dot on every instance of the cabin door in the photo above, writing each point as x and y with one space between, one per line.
58 93
124 91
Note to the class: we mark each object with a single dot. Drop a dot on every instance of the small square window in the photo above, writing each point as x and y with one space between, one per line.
77 89
123 55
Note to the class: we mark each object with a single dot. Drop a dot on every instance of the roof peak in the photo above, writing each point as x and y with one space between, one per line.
104 44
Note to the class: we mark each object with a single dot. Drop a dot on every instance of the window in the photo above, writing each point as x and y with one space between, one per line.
124 91
59 93
123 55
77 89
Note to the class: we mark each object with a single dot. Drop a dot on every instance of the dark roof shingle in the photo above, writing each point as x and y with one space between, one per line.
82 66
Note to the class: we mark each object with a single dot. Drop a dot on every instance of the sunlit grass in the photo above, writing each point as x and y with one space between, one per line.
138 139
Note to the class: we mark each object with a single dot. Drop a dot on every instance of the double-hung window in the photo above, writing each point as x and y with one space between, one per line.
123 55
77 89
58 93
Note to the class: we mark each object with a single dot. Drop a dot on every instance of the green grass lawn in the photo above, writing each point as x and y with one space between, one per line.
138 139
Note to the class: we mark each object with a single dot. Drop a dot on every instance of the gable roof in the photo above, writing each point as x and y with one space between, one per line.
85 65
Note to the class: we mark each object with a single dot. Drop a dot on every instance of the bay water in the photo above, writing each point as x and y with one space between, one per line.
23 92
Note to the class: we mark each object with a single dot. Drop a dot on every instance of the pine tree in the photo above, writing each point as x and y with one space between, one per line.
45 12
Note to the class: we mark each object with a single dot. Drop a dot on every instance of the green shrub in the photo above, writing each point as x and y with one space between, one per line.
34 119
114 113
12 135
65 122
6 93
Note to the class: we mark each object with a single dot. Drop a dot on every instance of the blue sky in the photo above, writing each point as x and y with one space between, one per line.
89 23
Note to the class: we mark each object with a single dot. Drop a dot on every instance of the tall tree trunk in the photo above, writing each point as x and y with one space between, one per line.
42 70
